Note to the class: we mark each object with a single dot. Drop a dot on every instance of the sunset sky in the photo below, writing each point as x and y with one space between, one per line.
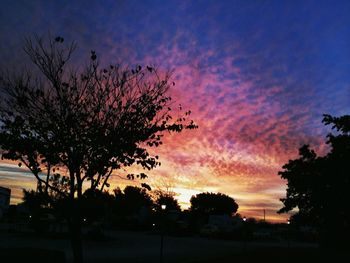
257 75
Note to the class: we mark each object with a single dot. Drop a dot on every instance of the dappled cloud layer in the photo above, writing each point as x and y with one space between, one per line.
257 78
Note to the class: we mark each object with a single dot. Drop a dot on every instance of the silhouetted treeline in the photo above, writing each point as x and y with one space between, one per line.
133 207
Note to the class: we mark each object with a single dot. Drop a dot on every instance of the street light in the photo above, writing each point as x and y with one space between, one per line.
163 207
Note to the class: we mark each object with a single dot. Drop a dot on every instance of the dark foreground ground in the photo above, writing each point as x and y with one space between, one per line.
123 246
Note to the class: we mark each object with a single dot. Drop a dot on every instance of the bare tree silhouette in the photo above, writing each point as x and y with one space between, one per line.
90 122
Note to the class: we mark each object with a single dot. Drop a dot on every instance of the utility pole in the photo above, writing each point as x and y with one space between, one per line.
264 215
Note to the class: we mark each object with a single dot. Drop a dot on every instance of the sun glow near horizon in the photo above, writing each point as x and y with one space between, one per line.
250 204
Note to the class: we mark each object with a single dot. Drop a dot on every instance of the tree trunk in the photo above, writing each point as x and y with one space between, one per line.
75 223
76 239
47 178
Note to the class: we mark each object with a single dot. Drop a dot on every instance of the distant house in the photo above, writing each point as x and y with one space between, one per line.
224 222
5 195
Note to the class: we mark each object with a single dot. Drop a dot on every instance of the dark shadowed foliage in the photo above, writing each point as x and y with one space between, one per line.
82 124
96 205
318 186
132 208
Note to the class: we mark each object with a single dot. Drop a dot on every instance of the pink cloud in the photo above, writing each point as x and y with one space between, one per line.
248 125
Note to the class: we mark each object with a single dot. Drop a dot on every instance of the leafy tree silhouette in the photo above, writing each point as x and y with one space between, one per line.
204 205
89 122
213 203
165 198
318 185
131 200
